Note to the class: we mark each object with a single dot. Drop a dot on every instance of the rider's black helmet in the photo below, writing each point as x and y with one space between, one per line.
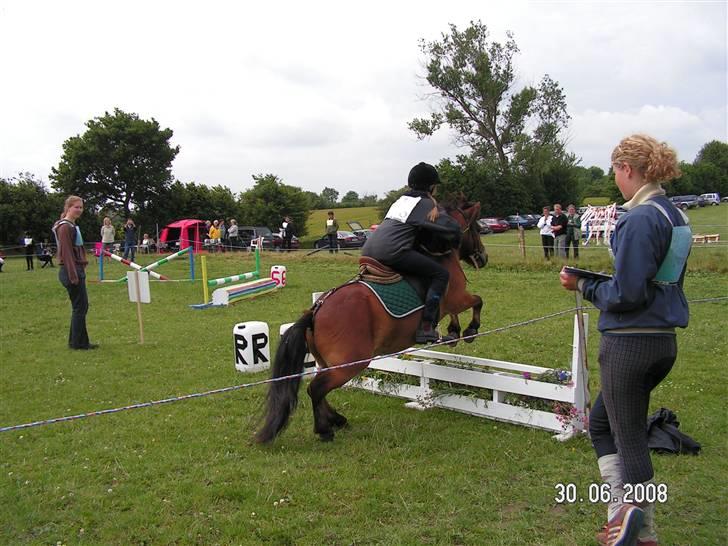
423 177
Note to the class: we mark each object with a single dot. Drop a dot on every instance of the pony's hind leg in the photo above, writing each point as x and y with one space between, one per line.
326 418
453 331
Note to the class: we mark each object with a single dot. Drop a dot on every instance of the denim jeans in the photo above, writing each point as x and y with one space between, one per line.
77 336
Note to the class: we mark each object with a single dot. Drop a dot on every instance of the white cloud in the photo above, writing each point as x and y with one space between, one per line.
320 92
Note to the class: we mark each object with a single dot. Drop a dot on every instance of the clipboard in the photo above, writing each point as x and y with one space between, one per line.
586 274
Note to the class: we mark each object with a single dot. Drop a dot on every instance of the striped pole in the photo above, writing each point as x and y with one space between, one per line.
232 278
134 266
165 259
205 292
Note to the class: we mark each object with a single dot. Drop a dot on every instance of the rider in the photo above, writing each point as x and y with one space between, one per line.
393 243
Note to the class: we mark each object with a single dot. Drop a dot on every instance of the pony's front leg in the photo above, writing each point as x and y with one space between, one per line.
472 328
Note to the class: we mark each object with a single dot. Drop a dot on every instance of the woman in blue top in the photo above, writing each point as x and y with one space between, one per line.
641 305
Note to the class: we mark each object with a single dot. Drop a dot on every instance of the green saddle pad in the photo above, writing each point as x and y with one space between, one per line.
399 299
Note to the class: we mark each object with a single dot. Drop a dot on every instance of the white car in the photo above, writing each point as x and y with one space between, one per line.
711 198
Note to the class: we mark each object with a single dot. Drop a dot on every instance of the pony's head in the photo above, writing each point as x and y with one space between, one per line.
466 214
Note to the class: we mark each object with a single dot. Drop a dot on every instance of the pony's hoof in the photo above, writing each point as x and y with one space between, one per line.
450 340
326 436
469 335
339 421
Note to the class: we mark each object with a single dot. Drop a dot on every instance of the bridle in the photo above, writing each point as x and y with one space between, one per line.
468 222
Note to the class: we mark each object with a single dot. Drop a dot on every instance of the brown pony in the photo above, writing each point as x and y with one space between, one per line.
349 324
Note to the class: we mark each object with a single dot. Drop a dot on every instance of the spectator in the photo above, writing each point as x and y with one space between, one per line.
148 244
640 307
130 240
233 234
214 235
223 234
558 225
46 256
29 251
287 229
547 233
2 261
573 231
108 233
332 229
72 270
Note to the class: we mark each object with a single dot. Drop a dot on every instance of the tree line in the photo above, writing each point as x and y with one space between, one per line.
515 157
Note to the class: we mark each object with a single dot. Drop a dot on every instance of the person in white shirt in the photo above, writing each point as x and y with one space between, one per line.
547 233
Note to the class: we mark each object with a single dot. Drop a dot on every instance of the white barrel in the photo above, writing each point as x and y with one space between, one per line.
251 346
278 274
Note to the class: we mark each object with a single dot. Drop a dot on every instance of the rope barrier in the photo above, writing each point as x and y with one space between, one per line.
306 373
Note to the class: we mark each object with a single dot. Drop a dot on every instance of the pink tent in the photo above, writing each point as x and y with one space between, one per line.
187 232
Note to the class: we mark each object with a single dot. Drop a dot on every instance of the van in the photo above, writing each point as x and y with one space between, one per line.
711 198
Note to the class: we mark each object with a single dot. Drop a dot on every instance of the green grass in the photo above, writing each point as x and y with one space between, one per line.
187 473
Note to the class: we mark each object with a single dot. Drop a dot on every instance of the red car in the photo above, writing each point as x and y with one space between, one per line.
496 225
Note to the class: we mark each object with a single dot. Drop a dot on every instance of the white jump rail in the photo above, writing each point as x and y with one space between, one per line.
499 376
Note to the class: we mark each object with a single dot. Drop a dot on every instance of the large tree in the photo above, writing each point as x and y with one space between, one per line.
270 200
120 162
514 134
476 95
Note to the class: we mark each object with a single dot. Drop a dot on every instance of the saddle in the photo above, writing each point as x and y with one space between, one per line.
371 270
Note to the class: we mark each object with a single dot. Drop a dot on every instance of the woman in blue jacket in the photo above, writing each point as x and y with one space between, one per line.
641 305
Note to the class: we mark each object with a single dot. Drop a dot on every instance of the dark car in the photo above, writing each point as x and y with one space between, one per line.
514 221
271 241
496 225
346 239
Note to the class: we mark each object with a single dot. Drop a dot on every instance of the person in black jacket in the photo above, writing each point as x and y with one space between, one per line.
393 243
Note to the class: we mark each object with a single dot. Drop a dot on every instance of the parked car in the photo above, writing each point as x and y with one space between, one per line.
686 201
515 220
346 239
496 225
711 198
358 229
483 227
271 241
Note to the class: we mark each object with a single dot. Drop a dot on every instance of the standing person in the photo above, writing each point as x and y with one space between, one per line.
29 251
641 305
223 234
547 234
573 231
332 231
287 229
108 233
559 224
233 234
214 234
2 261
130 239
72 270
393 243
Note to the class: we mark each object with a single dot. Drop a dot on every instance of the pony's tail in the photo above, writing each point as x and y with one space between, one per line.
283 395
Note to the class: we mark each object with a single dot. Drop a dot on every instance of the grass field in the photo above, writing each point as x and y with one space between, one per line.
188 473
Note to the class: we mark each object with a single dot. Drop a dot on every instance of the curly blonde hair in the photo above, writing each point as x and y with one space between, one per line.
654 160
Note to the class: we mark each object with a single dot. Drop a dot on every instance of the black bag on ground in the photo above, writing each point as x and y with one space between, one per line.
663 435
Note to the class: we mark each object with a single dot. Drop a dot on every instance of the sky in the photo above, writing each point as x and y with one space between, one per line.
320 93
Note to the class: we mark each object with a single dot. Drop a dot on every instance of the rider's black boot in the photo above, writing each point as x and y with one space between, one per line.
427 330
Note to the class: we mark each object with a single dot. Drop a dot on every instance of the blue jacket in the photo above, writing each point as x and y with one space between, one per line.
631 299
